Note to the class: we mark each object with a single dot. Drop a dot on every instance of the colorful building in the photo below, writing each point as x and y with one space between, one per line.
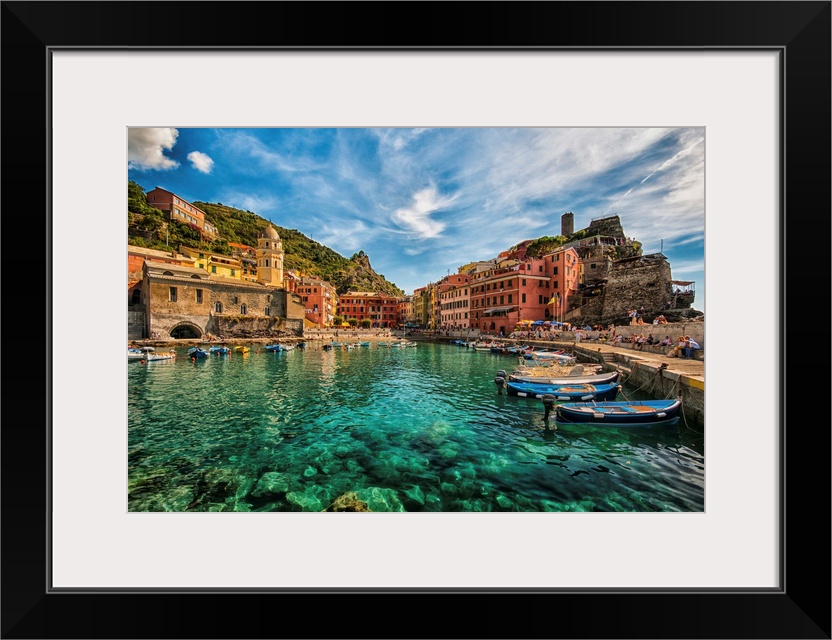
506 295
318 296
454 301
379 309
216 264
181 210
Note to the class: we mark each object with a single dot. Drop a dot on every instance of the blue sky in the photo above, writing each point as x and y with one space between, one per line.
423 202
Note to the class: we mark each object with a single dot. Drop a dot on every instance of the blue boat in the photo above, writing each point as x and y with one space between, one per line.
564 392
279 347
634 413
219 350
197 353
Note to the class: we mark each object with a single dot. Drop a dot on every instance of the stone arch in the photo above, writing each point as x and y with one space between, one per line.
136 296
186 331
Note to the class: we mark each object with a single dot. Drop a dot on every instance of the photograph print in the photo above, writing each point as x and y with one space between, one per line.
416 319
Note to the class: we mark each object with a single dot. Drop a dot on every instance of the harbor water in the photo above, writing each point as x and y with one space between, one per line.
400 429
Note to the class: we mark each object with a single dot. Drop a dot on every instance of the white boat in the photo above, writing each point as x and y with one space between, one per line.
157 357
137 354
558 375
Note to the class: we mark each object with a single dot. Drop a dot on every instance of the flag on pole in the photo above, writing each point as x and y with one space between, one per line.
552 301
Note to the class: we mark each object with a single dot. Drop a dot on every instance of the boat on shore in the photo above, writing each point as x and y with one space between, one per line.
567 393
634 413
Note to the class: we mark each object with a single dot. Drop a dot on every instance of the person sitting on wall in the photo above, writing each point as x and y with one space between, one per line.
680 345
666 342
691 345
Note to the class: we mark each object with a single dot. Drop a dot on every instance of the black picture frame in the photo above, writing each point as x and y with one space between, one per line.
800 608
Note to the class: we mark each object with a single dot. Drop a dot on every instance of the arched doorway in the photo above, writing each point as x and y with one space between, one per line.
186 331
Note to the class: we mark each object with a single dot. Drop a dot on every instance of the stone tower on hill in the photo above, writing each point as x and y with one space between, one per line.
567 224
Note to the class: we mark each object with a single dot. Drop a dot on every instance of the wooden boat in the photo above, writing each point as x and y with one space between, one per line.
555 377
279 347
635 413
157 357
557 356
137 354
566 392
242 349
197 353
365 343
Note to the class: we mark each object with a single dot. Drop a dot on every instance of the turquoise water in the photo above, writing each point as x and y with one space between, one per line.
416 429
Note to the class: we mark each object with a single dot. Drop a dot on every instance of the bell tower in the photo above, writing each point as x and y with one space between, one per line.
270 258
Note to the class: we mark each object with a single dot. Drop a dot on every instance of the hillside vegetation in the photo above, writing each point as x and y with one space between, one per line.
149 227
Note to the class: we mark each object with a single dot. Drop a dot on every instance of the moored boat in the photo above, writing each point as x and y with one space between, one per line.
197 353
634 413
555 377
219 350
548 356
137 354
157 357
242 349
566 392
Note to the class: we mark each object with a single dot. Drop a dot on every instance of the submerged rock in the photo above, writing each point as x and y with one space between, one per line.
271 483
348 502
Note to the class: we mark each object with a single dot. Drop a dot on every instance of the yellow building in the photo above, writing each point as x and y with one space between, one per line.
215 264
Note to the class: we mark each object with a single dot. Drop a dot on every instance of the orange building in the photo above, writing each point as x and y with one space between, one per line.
180 209
318 296
381 310
506 295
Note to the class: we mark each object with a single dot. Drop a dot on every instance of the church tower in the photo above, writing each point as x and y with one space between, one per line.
270 258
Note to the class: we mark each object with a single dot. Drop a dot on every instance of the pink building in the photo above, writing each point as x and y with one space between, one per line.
505 296
455 301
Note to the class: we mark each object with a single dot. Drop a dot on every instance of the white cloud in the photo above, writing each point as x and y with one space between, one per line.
345 237
201 162
146 147
416 218
670 161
